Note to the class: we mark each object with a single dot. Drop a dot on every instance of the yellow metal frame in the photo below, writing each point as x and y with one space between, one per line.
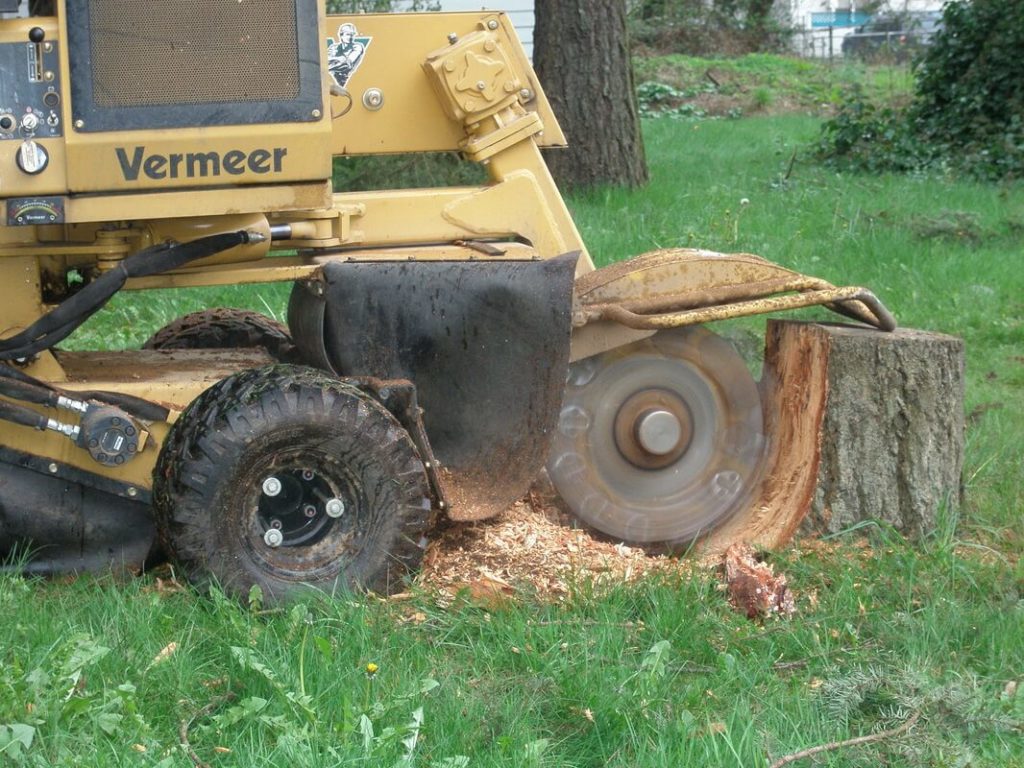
427 82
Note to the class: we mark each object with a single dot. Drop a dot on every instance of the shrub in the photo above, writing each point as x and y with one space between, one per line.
967 113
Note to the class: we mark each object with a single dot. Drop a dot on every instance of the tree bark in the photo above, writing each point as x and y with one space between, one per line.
861 426
893 434
581 54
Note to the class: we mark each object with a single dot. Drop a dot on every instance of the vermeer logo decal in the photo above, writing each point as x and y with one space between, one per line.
190 165
345 55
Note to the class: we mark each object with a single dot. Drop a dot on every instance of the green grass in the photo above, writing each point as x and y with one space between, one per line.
662 673
769 82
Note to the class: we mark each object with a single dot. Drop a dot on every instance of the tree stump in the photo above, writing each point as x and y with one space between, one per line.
862 425
893 434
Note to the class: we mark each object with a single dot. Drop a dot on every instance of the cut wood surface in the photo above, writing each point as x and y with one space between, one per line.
862 425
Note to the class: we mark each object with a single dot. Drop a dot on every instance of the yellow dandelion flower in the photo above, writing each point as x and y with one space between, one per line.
371 669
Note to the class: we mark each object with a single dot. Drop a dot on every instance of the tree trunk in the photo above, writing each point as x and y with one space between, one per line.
861 425
893 434
581 54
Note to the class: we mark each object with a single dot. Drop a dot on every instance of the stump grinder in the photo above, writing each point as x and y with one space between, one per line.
442 344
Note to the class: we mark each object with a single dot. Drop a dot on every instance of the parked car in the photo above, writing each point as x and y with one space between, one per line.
895 36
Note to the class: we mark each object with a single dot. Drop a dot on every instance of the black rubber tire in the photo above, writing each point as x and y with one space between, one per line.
225 328
211 511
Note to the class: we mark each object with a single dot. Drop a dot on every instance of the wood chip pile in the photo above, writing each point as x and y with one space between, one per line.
532 545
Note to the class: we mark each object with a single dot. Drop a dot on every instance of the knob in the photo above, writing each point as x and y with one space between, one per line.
30 122
31 158
6 123
37 34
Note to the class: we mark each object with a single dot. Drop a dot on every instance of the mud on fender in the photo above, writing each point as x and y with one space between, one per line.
485 342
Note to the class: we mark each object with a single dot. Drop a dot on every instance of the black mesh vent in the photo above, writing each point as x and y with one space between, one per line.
146 53
138 64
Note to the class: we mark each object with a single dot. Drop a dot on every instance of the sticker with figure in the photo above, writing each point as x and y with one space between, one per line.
346 54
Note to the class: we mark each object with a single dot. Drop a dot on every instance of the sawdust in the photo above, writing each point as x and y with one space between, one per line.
535 546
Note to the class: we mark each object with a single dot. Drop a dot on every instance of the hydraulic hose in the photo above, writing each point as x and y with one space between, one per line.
60 322
18 385
20 415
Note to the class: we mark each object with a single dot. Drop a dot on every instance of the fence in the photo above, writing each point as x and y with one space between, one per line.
835 43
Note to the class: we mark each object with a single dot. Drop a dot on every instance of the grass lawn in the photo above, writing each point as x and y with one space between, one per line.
660 673
764 83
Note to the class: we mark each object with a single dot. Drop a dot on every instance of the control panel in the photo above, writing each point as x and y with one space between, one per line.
30 95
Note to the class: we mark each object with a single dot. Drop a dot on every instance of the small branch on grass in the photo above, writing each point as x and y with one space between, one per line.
587 623
789 170
834 745
187 723
783 666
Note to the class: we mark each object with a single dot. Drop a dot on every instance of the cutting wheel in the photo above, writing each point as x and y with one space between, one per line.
661 440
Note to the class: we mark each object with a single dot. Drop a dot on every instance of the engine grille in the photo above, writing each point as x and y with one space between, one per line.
138 64
193 51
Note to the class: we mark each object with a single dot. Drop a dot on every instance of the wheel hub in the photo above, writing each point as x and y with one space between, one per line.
660 441
299 505
658 432
653 428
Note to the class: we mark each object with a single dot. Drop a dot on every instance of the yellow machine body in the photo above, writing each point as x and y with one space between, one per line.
125 127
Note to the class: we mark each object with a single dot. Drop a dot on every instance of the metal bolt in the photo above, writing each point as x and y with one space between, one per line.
526 94
133 492
309 510
271 486
453 38
308 474
335 508
316 113
276 524
492 24
273 538
481 85
52 468
79 124
373 99
659 432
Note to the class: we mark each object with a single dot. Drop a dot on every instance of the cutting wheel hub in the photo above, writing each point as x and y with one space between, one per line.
659 432
653 428
659 441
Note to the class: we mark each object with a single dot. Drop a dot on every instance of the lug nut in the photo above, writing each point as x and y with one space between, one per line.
335 508
309 510
271 486
273 538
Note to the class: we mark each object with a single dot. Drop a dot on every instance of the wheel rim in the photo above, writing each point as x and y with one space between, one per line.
661 440
314 541
295 502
